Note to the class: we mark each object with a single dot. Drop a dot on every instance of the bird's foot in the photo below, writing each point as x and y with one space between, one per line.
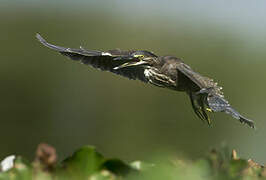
209 109
200 110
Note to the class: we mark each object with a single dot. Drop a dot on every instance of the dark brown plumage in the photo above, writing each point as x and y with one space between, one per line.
163 71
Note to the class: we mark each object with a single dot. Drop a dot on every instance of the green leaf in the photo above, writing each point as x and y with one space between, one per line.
237 167
117 167
83 163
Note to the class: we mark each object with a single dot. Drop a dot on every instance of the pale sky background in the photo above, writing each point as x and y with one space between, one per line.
242 16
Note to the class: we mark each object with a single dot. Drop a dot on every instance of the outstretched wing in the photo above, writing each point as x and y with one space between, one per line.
105 61
199 80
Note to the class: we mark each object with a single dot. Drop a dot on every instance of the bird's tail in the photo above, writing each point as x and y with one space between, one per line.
235 114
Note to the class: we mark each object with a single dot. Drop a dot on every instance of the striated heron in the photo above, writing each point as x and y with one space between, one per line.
163 71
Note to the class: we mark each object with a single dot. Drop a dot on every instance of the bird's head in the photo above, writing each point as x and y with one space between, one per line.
138 58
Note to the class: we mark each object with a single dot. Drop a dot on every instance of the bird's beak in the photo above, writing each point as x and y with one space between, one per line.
128 64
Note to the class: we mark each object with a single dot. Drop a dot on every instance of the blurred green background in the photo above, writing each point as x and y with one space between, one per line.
47 98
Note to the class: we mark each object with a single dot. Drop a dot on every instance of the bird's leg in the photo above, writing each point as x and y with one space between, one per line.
203 108
205 92
196 108
199 107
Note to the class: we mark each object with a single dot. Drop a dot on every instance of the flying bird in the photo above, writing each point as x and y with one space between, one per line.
162 71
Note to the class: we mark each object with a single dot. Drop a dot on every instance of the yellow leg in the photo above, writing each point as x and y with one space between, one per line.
208 109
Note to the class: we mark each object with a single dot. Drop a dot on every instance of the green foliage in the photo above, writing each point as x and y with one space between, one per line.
87 163
22 170
83 163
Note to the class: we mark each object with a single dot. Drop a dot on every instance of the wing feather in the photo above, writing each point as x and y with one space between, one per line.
104 61
198 79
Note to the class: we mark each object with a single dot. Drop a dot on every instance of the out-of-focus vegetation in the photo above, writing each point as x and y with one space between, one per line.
87 163
46 97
